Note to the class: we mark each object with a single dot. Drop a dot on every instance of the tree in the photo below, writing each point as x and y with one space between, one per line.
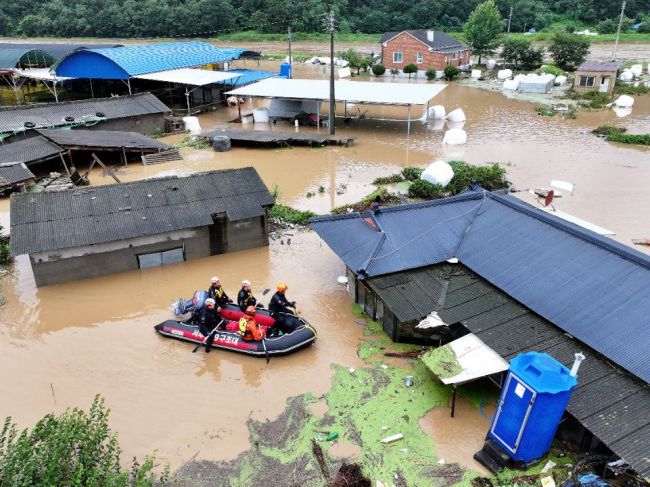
410 69
378 70
522 54
568 50
483 29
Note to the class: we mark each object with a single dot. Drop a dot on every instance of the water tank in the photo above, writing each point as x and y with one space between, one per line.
285 70
221 143
533 399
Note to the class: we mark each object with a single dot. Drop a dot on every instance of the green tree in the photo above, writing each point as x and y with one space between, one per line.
410 69
522 54
568 50
483 29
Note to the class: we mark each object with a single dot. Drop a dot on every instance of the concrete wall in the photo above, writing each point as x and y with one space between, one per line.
227 236
409 46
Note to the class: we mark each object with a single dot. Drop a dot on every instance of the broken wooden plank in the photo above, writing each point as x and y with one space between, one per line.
111 173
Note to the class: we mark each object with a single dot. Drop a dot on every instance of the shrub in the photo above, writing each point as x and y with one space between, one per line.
393 178
632 90
286 214
640 139
608 129
394 71
5 251
378 69
192 142
381 195
489 177
410 69
430 74
74 448
451 72
592 99
412 173
425 190
550 69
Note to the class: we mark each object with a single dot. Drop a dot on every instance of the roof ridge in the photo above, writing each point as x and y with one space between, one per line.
73 102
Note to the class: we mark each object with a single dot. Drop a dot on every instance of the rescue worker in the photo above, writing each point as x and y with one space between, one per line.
216 292
279 307
209 320
245 297
248 328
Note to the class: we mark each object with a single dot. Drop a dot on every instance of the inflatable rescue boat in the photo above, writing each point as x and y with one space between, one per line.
229 312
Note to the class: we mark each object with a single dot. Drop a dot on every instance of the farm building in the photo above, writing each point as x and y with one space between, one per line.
90 232
142 113
596 76
13 174
519 280
427 49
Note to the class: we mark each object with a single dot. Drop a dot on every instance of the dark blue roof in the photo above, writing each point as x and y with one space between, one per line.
249 76
123 62
590 286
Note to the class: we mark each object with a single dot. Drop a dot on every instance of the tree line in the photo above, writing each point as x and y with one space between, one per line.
210 18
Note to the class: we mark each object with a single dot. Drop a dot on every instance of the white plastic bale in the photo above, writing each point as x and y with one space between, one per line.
504 73
261 115
455 137
457 115
490 64
626 75
455 125
637 69
192 124
437 112
622 112
624 101
511 84
438 172
476 73
560 80
520 77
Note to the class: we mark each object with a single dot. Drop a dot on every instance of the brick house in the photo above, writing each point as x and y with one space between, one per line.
427 49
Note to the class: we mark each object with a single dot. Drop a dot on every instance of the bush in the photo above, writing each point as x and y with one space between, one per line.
378 69
412 173
75 448
393 178
451 72
192 142
5 253
640 139
425 190
410 69
550 69
608 129
286 214
632 90
430 74
394 71
381 195
592 99
489 177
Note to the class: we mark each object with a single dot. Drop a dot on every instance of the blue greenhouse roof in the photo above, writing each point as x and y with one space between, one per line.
127 61
590 286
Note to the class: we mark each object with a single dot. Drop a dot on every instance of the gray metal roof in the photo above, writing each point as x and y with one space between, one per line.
14 172
441 42
610 403
588 285
13 119
29 150
11 57
101 139
56 50
52 221
600 66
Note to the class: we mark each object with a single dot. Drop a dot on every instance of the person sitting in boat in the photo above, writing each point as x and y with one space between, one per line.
216 292
279 306
245 297
209 320
248 328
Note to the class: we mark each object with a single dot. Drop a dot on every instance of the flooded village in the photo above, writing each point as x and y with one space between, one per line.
451 287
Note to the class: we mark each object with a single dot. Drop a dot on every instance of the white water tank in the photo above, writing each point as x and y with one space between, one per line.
637 69
438 172
624 101
192 124
504 73
511 84
476 73
261 115
436 112
457 115
455 137
490 64
560 80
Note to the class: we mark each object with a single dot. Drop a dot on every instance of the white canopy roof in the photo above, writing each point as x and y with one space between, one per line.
42 74
188 76
351 91
463 360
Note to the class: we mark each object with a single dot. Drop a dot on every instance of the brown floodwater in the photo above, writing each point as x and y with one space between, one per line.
60 345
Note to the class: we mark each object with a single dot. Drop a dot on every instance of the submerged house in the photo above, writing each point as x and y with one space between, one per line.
517 279
94 231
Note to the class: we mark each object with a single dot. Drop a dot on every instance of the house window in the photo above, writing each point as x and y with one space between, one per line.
157 259
420 58
397 57
587 81
455 55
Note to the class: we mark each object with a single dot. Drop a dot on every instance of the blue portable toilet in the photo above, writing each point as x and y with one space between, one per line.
285 70
535 394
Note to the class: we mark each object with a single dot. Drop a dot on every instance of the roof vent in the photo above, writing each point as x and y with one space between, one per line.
430 35
100 114
69 119
29 125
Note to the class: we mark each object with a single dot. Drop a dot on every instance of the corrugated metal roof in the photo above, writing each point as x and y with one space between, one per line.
10 57
13 119
588 285
441 42
611 403
52 221
122 62
600 66
14 172
248 76
102 138
29 150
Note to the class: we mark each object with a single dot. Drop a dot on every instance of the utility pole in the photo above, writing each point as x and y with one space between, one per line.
332 111
509 20
618 31
290 58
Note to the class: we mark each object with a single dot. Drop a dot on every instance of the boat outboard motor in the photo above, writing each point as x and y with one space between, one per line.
183 306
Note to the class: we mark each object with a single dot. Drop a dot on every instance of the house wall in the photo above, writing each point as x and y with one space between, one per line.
143 124
409 46
598 77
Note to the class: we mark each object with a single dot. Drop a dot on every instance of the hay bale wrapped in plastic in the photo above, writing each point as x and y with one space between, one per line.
436 112
520 77
624 101
192 124
560 80
455 137
438 172
490 64
511 84
626 75
504 74
637 69
457 115
476 73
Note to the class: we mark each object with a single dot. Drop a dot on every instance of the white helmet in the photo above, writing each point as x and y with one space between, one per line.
245 282
214 280
210 301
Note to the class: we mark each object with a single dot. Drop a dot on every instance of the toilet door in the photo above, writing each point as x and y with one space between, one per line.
512 413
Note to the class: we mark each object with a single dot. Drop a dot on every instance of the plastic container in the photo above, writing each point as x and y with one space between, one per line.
455 137
285 70
457 115
438 172
261 115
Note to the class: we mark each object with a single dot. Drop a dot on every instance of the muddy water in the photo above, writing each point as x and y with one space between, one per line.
63 344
